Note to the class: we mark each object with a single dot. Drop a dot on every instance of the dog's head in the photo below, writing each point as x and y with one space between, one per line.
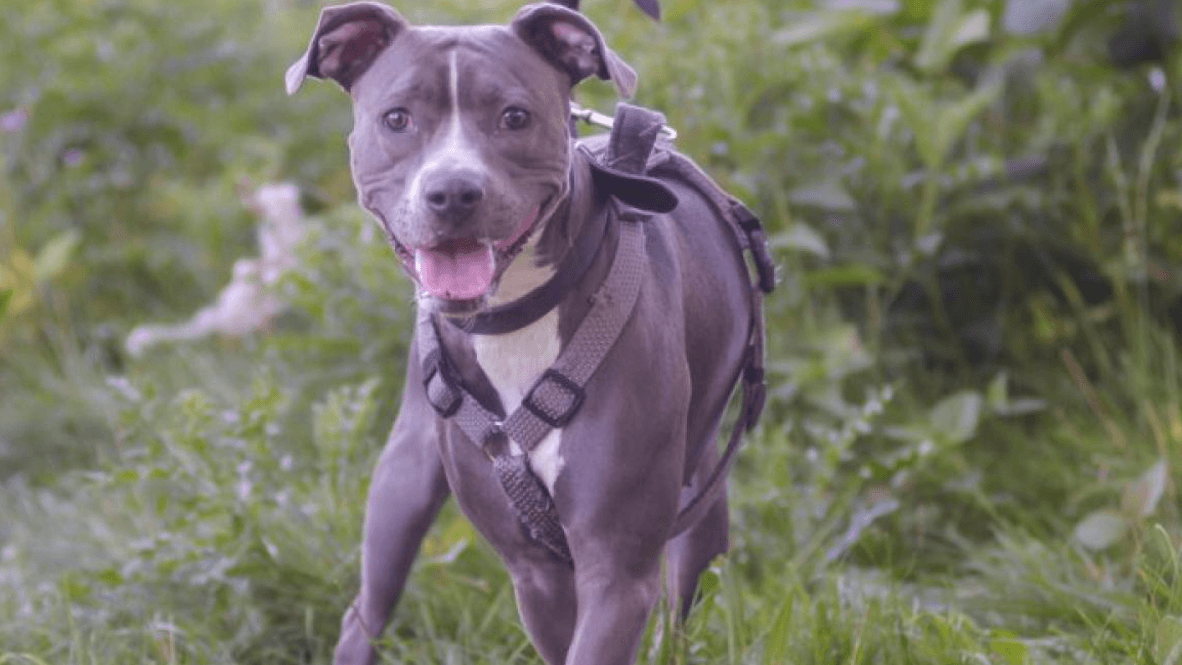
460 146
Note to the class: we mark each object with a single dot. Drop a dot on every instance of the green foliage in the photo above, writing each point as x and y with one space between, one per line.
975 404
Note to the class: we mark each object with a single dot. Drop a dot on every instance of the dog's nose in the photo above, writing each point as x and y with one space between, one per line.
455 197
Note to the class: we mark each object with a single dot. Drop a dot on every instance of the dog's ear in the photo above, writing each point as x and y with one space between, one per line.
573 44
345 43
650 7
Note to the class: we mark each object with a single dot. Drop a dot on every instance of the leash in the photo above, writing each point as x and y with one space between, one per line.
597 119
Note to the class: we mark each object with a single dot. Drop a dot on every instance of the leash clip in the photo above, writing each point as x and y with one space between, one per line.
596 119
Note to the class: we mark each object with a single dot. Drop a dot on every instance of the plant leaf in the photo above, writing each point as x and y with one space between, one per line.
879 7
801 237
1013 650
1030 17
1141 496
779 637
5 296
952 120
936 48
1101 529
1167 643
955 418
1022 406
18 277
916 106
850 274
973 28
55 255
998 394
826 195
819 26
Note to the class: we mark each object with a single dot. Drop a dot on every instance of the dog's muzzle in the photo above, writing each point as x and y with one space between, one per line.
462 271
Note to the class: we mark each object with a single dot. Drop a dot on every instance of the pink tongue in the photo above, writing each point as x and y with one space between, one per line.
456 269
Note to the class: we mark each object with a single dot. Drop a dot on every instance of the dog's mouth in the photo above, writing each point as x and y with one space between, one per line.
461 269
460 272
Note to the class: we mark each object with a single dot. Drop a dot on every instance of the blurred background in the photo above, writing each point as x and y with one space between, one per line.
973 438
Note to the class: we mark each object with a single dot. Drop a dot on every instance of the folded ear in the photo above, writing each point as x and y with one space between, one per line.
345 43
573 44
650 7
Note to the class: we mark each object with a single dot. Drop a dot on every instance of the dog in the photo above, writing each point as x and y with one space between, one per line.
462 152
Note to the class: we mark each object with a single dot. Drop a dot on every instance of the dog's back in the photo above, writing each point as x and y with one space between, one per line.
717 311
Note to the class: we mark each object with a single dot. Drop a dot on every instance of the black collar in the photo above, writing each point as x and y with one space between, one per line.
638 191
515 315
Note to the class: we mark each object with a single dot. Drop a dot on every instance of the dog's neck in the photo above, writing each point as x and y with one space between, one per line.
512 361
550 246
527 272
507 363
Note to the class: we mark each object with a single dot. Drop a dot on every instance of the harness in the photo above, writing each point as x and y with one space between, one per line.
629 169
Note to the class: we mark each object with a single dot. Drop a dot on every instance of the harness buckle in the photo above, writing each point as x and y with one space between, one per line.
569 395
442 394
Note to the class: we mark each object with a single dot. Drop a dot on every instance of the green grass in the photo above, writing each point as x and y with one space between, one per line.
974 426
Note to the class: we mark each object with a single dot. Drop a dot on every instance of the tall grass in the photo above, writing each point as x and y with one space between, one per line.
970 449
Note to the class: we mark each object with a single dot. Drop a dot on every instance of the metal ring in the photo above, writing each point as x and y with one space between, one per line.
597 119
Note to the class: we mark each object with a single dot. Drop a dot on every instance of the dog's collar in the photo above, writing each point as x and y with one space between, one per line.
620 179
527 309
555 397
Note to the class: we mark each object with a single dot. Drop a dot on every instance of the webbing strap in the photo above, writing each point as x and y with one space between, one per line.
750 235
558 394
447 395
634 133
754 396
533 504
554 398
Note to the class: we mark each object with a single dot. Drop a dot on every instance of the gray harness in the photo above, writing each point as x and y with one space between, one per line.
556 396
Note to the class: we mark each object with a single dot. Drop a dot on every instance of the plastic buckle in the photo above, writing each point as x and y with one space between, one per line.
745 218
566 385
436 367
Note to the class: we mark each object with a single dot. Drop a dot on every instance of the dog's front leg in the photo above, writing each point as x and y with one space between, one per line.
547 603
613 610
617 550
406 492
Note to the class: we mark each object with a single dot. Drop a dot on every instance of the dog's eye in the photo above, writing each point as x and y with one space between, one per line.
397 120
515 118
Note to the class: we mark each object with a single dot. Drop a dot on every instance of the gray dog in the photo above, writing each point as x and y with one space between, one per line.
461 149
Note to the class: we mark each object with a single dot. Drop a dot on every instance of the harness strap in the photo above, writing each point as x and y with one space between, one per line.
634 133
750 236
747 227
754 396
450 399
558 394
553 400
532 306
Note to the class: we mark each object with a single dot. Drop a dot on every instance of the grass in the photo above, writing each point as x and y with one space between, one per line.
975 417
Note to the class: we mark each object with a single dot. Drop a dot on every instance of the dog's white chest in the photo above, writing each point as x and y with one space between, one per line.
514 361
